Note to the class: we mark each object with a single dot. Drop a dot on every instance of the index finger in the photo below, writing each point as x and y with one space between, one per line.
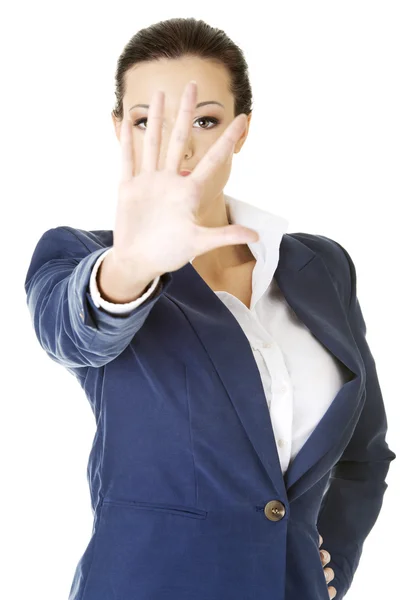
219 152
126 149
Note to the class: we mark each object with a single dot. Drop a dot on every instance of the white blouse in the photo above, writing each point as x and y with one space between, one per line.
300 376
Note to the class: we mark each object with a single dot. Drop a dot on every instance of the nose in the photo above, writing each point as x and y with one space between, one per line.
167 138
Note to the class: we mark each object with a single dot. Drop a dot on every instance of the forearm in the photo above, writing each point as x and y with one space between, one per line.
119 284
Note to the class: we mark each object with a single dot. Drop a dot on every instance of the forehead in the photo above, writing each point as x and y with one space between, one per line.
172 75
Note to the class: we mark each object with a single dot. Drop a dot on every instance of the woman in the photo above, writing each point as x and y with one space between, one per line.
240 421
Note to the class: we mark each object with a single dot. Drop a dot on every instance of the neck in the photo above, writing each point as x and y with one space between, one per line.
216 263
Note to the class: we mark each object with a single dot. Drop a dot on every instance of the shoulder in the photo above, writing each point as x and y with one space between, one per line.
66 245
91 240
336 259
64 240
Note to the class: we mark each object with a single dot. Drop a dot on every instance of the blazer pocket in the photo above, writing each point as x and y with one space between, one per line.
174 509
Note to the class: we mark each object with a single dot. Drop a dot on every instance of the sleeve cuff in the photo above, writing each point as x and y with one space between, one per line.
111 307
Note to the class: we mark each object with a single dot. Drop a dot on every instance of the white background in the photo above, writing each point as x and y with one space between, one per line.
323 151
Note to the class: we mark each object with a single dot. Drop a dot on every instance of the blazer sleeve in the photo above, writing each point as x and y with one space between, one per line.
69 326
354 498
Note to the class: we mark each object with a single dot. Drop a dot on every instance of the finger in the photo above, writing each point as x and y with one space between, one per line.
320 539
220 150
183 124
126 149
332 591
325 557
209 238
152 136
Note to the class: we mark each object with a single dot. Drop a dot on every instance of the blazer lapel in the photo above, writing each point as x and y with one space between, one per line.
308 289
307 286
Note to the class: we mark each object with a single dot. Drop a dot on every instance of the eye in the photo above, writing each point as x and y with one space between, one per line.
212 120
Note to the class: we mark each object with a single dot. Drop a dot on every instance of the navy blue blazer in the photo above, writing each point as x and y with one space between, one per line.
189 500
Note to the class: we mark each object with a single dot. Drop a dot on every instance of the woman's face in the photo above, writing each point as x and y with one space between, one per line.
208 123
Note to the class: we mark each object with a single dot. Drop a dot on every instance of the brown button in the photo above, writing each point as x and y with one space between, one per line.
274 510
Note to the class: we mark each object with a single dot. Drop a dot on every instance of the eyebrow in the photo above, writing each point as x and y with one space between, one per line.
197 105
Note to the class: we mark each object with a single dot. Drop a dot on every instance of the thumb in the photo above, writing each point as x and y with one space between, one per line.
210 238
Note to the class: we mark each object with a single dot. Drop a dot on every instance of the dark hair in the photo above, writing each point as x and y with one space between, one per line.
178 38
